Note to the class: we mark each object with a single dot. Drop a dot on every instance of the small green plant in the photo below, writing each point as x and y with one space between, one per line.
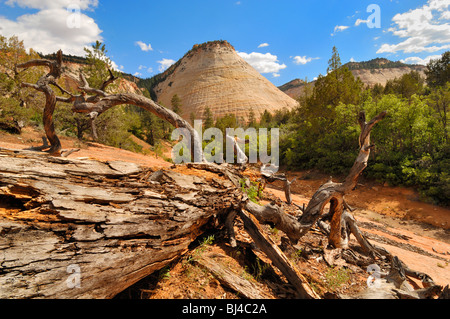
253 192
164 273
207 241
296 255
336 277
259 268
275 233
246 274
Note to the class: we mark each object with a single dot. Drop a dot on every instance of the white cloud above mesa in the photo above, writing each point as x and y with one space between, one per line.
301 60
421 61
424 29
164 64
263 45
144 47
56 25
263 62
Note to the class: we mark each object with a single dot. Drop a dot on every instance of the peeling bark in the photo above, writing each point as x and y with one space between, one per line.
112 221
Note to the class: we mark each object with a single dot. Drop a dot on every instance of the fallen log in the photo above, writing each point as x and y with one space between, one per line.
88 229
231 280
278 258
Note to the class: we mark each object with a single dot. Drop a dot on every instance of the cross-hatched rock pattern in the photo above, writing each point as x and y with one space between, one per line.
213 75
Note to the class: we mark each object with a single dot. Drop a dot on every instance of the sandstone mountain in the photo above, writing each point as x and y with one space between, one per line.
376 71
213 75
71 75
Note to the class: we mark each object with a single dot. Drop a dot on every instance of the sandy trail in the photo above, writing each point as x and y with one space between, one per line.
437 265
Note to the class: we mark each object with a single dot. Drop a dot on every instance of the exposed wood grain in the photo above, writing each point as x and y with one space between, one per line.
102 218
277 257
230 279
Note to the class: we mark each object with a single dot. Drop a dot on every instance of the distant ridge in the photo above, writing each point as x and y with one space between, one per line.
377 63
375 71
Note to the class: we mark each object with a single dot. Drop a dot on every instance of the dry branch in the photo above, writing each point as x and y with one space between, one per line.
229 279
43 85
98 102
277 257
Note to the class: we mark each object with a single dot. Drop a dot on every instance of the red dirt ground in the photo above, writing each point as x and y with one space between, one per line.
397 209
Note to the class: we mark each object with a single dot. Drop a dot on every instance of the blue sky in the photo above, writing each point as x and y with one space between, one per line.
282 39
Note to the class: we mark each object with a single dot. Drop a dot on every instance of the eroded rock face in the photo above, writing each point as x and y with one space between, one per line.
381 76
369 77
215 76
71 76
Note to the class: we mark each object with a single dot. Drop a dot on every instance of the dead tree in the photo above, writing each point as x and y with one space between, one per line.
95 101
342 222
43 85
333 193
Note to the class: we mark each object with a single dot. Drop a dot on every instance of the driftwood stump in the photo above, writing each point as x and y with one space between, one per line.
89 229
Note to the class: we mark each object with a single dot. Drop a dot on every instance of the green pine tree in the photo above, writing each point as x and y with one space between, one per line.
176 104
208 118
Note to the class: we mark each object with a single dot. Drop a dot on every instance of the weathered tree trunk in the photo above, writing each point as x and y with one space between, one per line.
98 102
87 229
43 85
333 193
329 193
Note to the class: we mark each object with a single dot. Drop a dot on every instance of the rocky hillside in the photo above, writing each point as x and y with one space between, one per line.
72 72
213 75
73 66
376 71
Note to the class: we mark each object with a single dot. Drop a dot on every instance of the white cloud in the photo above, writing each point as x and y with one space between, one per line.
114 66
339 28
303 59
144 47
263 63
445 15
53 26
360 21
137 74
422 29
352 59
165 64
142 67
263 45
417 60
